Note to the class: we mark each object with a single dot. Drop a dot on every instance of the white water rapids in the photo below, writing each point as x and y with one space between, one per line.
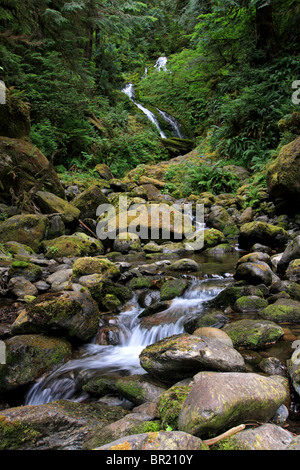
65 382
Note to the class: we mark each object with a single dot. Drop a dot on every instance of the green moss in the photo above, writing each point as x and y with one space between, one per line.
72 246
86 266
14 436
139 283
170 405
173 288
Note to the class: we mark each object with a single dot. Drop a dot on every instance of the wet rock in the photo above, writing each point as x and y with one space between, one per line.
184 264
173 288
250 304
126 242
182 356
253 334
293 271
148 298
162 440
291 253
49 203
220 219
20 287
75 245
273 366
75 315
265 437
139 389
237 397
88 202
264 233
211 320
60 425
27 229
289 287
255 273
214 333
30 356
283 310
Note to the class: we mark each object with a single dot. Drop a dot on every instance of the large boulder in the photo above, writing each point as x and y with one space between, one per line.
221 220
72 314
49 203
236 398
291 252
88 202
72 246
263 233
255 273
30 356
27 229
182 356
23 168
283 176
253 334
281 311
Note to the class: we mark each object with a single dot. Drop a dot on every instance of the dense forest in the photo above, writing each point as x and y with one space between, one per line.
231 66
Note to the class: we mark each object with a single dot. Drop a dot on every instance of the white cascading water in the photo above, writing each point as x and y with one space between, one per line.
65 383
161 64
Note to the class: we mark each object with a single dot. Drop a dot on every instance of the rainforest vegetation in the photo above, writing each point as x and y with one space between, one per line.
231 67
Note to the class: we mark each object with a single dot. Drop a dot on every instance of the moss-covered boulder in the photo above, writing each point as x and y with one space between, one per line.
184 264
255 273
49 203
173 288
108 294
23 168
250 303
139 389
59 425
263 233
291 253
104 171
126 242
30 356
221 220
293 271
27 229
74 315
31 272
170 404
283 176
72 246
182 356
92 265
237 397
214 333
283 310
88 202
253 334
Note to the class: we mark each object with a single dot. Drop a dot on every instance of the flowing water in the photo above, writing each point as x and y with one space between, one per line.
123 359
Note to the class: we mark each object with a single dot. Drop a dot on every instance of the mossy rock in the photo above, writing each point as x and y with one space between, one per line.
253 334
104 171
29 271
250 304
49 203
92 265
283 310
88 202
173 288
72 314
221 220
30 356
99 288
72 246
264 233
99 386
27 229
126 242
139 283
283 176
139 389
22 168
170 404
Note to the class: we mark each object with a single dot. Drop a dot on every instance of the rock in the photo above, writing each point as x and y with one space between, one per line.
170 404
237 397
250 303
88 202
89 265
258 247
30 356
173 288
184 264
283 310
220 219
255 273
60 425
27 229
214 333
246 216
56 227
255 257
156 441
293 271
265 437
288 287
228 296
291 253
75 315
102 291
264 233
76 245
126 242
152 247
104 171
139 389
283 175
182 356
20 287
148 297
49 203
60 279
209 320
294 369
31 272
23 167
253 334
273 366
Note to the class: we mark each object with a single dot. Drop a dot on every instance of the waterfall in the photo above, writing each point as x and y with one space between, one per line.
100 361
174 126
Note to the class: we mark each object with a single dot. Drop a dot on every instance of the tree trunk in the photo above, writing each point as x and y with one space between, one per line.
266 37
